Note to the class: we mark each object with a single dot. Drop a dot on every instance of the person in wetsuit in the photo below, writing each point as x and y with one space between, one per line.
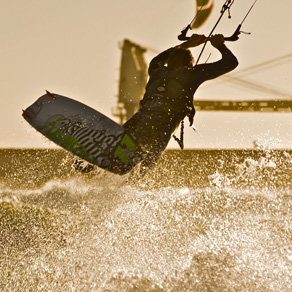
168 99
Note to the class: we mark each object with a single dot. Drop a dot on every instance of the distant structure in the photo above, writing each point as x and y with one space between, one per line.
134 75
284 105
133 79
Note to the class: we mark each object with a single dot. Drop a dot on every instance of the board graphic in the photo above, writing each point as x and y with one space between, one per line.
85 132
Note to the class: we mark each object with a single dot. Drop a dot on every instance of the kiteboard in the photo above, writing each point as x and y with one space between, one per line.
85 132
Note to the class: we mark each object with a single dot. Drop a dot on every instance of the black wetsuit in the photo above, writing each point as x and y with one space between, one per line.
169 99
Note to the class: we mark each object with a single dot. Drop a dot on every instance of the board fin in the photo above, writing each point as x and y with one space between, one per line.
50 94
141 148
25 113
116 168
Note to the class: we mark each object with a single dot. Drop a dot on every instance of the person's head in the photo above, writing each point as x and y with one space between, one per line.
180 57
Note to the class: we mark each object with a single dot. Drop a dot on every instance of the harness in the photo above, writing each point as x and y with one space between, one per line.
168 94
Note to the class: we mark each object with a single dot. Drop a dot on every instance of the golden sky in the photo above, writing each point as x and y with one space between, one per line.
71 47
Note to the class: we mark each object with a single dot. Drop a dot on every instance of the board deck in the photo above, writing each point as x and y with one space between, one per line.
85 132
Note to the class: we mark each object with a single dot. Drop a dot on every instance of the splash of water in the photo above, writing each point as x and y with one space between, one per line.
98 233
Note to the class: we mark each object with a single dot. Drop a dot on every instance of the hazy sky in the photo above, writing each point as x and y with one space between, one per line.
71 47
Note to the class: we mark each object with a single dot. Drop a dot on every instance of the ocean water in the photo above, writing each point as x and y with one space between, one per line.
202 220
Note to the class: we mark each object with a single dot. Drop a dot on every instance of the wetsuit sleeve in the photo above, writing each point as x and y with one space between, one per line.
159 61
227 63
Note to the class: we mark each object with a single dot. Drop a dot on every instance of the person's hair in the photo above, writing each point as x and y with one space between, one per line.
180 57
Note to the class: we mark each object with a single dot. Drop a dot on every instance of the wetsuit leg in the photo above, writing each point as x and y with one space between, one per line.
153 131
160 141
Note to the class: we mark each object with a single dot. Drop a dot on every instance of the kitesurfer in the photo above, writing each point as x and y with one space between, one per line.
168 99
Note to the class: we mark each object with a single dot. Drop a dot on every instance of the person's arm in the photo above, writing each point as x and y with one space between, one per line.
162 59
227 63
194 41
